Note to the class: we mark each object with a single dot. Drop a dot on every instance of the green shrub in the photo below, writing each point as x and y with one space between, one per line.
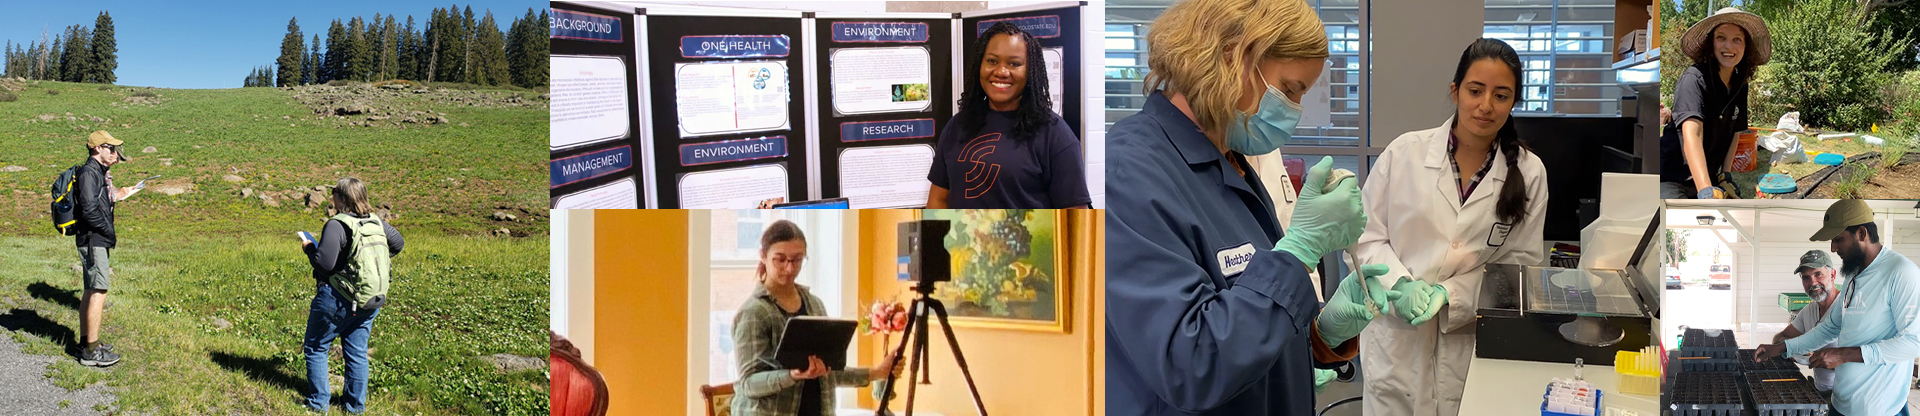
1905 96
7 97
1826 66
53 92
1672 61
148 94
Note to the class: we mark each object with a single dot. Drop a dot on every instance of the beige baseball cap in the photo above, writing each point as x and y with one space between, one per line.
1842 214
101 137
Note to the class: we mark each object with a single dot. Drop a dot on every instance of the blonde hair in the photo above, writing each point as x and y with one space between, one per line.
1206 50
350 196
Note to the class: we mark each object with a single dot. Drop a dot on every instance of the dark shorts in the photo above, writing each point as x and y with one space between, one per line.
94 268
1677 190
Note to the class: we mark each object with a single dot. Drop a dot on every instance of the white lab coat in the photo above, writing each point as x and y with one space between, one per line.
1417 226
1273 175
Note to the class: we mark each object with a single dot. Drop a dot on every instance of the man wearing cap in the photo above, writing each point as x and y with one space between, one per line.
1875 328
94 197
1816 276
1710 104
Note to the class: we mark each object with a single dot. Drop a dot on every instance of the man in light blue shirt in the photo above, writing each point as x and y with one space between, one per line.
1875 327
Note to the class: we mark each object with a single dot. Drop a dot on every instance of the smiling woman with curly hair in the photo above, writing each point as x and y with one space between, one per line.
1006 148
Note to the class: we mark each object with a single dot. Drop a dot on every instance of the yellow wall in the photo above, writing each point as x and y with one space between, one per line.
1018 372
640 323
640 310
1099 332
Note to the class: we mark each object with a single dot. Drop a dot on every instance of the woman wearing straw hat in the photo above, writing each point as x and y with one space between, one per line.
1710 103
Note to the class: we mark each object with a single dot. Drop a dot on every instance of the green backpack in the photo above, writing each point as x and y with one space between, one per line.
364 279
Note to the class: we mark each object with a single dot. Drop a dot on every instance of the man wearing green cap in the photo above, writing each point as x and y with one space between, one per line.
1817 277
1876 328
94 197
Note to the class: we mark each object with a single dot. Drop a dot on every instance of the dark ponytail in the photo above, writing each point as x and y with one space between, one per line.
1513 192
1512 205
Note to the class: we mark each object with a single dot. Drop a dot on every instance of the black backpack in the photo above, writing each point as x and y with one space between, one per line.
64 218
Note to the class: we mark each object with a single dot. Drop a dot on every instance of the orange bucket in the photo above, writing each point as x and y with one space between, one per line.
1746 150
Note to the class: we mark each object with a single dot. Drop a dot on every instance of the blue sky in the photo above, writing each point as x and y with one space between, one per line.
214 43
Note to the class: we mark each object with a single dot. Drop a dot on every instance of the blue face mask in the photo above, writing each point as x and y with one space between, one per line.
1273 122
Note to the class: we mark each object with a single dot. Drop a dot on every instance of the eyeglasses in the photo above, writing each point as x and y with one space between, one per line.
795 260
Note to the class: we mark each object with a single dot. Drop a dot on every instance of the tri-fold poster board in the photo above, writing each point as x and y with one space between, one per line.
698 107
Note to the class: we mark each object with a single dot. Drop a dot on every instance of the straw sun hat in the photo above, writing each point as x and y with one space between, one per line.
1701 34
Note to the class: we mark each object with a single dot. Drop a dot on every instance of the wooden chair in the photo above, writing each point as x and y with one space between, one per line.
577 389
719 399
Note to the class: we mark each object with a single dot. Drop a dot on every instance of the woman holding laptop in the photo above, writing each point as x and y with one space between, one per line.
766 389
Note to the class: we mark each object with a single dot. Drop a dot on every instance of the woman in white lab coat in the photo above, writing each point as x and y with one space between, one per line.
1441 204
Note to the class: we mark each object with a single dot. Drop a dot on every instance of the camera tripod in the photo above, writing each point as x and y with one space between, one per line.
916 335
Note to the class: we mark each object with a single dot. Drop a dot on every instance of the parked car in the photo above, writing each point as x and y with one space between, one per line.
1720 276
1673 282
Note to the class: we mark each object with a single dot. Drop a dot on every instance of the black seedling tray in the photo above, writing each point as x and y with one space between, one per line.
1707 364
1706 394
1785 398
1696 343
1747 365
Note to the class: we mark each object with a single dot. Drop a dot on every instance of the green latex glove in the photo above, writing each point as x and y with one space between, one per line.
1320 379
1346 312
1419 300
1327 217
1413 298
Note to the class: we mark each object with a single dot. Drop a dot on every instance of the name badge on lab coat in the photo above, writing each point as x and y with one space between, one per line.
1234 260
1498 236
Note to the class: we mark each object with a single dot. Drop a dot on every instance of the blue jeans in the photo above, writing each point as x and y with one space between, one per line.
333 315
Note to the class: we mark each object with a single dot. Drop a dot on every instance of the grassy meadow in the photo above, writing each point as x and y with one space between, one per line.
209 301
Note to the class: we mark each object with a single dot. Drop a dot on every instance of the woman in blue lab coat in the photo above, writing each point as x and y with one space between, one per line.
1211 310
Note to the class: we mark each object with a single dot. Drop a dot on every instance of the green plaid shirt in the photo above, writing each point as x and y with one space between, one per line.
766 389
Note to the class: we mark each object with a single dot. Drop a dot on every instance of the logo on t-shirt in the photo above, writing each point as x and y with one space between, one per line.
981 177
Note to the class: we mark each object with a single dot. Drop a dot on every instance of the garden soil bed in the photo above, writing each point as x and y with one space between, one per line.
1900 182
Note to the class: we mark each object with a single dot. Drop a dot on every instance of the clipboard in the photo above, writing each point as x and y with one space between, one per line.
816 336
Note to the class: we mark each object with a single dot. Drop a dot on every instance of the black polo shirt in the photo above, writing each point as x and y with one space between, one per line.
1722 111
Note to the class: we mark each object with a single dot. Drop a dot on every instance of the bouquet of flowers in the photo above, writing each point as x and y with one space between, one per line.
884 318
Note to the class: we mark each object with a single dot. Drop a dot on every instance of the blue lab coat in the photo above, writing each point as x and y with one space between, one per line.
1202 318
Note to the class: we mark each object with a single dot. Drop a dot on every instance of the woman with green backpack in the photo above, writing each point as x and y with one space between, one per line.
351 269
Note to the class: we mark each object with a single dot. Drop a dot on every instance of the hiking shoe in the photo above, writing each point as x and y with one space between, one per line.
100 356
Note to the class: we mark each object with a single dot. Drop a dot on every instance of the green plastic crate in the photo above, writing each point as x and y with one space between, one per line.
1794 301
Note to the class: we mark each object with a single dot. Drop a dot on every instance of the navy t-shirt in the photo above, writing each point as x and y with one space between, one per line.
994 169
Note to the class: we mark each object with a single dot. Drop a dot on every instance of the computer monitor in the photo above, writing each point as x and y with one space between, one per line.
835 203
1571 149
